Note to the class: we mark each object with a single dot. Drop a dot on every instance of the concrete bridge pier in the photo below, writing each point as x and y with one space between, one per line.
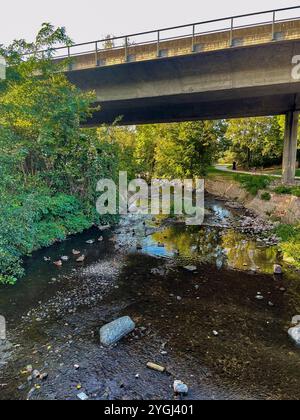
290 147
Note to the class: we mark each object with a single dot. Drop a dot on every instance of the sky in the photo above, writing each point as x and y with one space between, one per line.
90 20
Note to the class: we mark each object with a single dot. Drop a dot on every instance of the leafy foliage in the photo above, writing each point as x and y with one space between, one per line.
255 142
266 196
290 245
253 183
185 150
283 189
49 166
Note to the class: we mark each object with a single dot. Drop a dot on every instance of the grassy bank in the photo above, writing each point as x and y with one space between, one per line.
254 183
251 183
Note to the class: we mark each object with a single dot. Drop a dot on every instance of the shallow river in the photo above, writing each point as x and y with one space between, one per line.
206 327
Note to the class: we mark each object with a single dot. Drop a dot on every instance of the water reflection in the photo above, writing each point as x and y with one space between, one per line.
222 248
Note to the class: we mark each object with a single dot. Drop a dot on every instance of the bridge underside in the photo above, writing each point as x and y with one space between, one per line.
215 105
232 83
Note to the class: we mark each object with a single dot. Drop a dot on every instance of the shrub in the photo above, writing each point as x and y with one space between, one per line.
266 196
282 189
290 245
34 222
253 183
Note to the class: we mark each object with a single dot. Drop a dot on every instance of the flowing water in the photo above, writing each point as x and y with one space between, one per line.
206 326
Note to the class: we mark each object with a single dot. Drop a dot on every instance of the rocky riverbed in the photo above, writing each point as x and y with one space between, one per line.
193 295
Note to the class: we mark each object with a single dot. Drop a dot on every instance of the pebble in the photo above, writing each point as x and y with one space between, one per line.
180 388
82 396
296 320
190 268
277 269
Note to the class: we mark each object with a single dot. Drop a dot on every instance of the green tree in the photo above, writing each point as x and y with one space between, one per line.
255 141
147 139
49 166
186 150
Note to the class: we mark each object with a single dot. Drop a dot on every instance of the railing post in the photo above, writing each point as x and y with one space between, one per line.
126 49
69 58
158 44
96 54
231 32
273 26
193 39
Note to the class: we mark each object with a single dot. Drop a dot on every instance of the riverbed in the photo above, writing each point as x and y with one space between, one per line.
207 326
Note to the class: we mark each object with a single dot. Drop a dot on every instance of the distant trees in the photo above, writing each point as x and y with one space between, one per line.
255 142
186 150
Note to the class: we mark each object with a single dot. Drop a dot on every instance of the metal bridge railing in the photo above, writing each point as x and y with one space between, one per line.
266 26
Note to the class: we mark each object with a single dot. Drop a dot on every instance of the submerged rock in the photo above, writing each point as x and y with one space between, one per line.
103 228
294 333
114 331
58 263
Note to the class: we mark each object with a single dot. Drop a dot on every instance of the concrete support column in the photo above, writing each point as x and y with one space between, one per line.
290 147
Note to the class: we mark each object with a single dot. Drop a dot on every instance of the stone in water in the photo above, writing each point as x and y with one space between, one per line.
277 269
113 332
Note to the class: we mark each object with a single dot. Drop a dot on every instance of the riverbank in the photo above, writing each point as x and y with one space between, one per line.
281 209
54 314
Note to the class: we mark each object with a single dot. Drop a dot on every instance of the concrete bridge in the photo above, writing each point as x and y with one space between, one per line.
209 70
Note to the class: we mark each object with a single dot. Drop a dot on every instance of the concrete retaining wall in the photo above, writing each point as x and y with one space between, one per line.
283 207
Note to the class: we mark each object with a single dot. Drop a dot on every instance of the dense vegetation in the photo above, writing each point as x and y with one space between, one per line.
290 243
48 165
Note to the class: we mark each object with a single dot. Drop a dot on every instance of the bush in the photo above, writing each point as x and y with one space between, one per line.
253 183
282 189
266 196
33 223
290 245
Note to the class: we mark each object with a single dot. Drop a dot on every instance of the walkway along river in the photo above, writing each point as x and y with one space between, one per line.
221 328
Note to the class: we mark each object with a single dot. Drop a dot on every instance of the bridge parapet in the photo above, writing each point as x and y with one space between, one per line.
219 34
